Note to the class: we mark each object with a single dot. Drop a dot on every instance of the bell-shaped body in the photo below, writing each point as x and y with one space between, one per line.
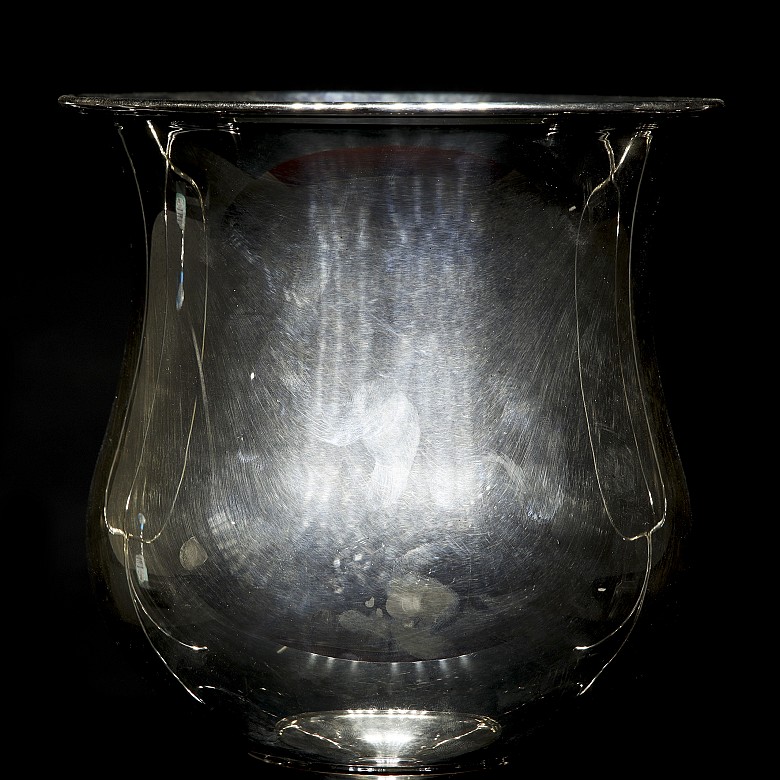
392 461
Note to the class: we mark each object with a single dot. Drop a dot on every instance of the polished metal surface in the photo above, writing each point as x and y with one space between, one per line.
488 106
392 448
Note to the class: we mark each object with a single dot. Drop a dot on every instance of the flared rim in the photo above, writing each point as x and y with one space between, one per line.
384 104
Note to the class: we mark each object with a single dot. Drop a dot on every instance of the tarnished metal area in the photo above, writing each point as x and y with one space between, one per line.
394 441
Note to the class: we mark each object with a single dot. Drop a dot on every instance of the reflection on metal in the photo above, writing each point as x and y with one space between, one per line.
400 452
396 738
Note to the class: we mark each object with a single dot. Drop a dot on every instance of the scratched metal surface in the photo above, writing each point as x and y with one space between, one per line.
392 435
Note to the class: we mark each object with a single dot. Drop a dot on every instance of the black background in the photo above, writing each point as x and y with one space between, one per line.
85 700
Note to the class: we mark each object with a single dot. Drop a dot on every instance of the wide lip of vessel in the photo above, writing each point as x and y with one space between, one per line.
348 104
